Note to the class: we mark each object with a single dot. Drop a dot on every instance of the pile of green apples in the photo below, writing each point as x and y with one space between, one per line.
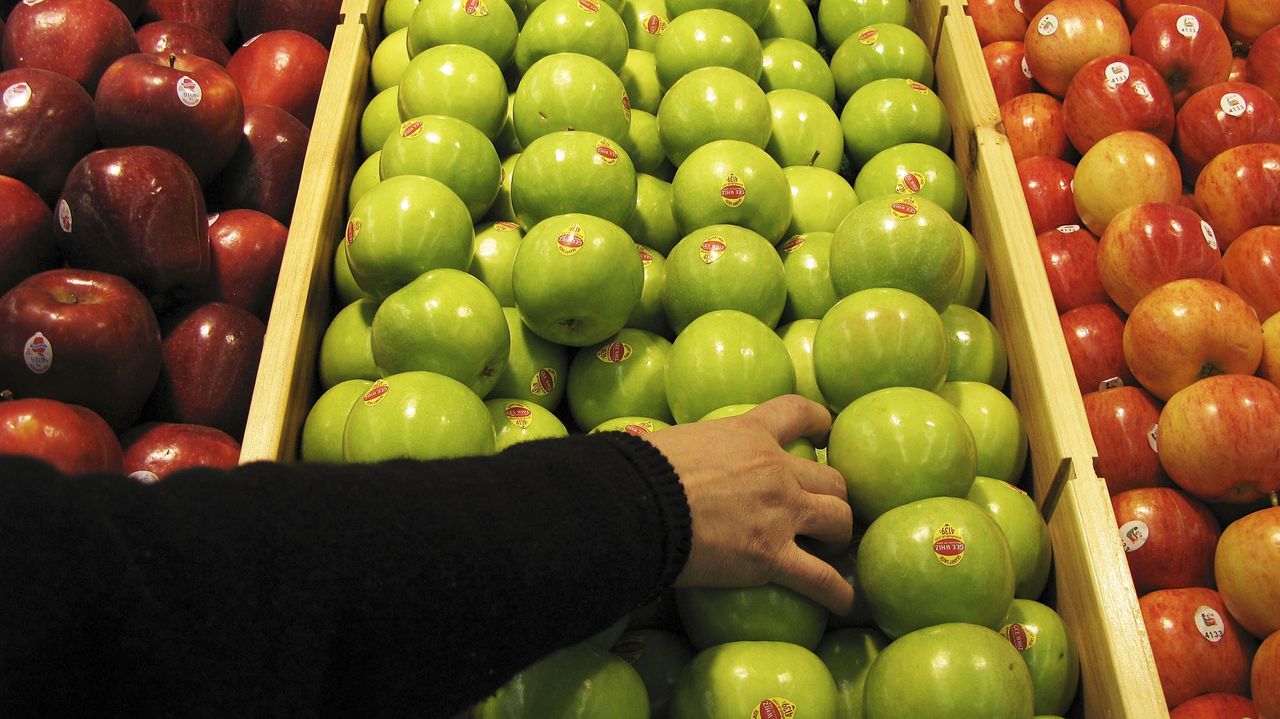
589 215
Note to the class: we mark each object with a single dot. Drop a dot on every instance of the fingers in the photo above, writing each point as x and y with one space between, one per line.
826 519
818 478
791 416
814 578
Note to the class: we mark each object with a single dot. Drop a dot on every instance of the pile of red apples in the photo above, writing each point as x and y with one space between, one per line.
150 156
1147 141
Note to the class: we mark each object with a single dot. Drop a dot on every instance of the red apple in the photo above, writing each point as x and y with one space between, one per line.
1066 34
1186 330
1113 93
1031 8
71 438
1070 256
1219 439
171 36
997 20
1251 267
209 356
136 212
264 173
1168 537
1218 705
46 126
1007 68
84 337
317 18
1197 646
1263 62
1247 20
1048 189
1248 575
155 450
1125 169
1239 70
1034 125
248 247
1093 335
1134 9
1121 420
1220 117
75 38
1153 243
1186 45
184 103
1240 189
1265 678
284 68
216 17
26 234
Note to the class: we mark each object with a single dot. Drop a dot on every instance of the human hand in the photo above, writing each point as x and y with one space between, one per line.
749 500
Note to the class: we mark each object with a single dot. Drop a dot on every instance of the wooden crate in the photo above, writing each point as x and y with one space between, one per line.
1094 591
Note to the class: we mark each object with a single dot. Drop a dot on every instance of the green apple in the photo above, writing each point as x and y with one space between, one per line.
345 351
976 352
495 252
800 447
322 430
1024 527
643 143
807 266
806 131
490 27
402 227
733 183
380 118
366 177
790 19
711 103
536 368
899 445
576 278
702 38
848 654
892 111
506 143
502 211
345 288
725 357
569 91
820 199
769 612
905 242
878 51
645 21
754 679
564 172
648 313
974 285
878 338
751 11
578 682
791 64
455 80
445 321
389 60
915 169
659 657
639 76
838 19
449 150
932 561
1041 637
518 420
396 14
723 267
653 223
588 27
996 425
620 377
634 426
417 415
949 670
798 338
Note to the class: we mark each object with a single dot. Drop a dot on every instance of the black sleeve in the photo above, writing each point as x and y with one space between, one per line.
396 589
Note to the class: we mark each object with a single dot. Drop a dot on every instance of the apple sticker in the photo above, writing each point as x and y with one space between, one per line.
774 708
588 6
17 95
544 380
614 352
1117 73
948 546
1134 534
1210 237
733 192
655 24
37 353
606 152
518 414
376 393
1209 623
477 8
570 241
1048 25
711 249
869 36
1188 26
189 92
1233 103
1020 636
793 243
64 216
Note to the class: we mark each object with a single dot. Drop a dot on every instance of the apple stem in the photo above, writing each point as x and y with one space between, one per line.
814 160
7 396
173 60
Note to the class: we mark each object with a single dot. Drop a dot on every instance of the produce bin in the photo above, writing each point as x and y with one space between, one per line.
1092 589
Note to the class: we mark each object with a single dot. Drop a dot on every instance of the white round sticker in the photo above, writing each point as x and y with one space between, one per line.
17 95
1233 103
1209 623
1209 236
1134 534
37 353
1017 5
1188 26
1068 229
29 3
1110 383
1117 73
1152 434
64 215
212 218
1048 25
1026 69
189 92
145 476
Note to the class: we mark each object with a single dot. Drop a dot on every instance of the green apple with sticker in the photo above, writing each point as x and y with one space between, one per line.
455 80
916 169
725 357
707 37
490 26
536 370
518 420
806 262
322 430
619 377
723 267
754 679
573 171
892 111
417 415
589 27
570 91
449 150
495 252
731 182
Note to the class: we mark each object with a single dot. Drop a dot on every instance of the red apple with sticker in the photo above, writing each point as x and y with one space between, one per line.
248 248
155 450
1186 45
1220 117
1065 34
1251 267
1198 647
179 38
78 39
1049 190
1169 538
1034 124
79 336
1121 421
1094 336
266 169
1105 177
284 68
1070 256
1150 244
1247 570
216 17
73 439
26 234
46 126
1007 68
1239 189
1113 93
997 20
